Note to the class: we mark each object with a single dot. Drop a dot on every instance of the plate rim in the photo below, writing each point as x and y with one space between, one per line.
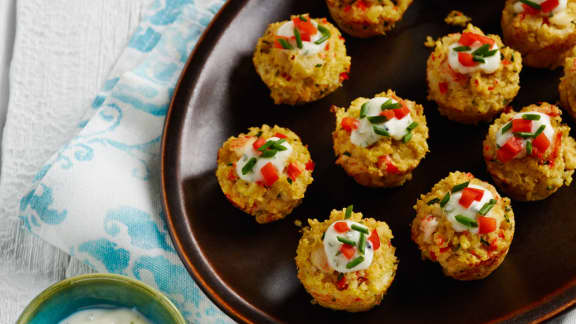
550 305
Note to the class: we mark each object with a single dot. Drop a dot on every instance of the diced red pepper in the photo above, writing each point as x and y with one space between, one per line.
466 59
341 284
361 5
341 227
443 87
486 225
347 8
269 173
401 112
470 195
259 142
310 165
349 124
530 10
277 43
510 149
279 135
388 113
521 125
347 250
556 150
232 176
444 249
469 38
374 239
306 28
343 75
541 143
390 167
293 171
493 245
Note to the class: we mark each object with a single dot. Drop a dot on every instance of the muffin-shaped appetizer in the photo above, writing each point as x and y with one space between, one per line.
301 60
379 141
464 225
366 18
567 86
542 30
346 262
265 173
472 77
530 154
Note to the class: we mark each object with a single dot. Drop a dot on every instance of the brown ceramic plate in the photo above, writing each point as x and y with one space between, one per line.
248 269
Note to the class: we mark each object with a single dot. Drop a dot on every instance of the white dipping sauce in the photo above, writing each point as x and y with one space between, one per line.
492 63
453 208
308 47
519 8
106 316
501 139
337 260
278 160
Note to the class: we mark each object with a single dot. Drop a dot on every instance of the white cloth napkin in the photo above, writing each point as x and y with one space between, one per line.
98 197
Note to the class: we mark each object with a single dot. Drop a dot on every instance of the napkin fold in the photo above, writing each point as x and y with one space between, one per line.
98 198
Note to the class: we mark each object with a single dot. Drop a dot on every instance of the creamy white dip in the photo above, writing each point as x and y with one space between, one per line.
518 6
501 139
491 64
332 245
454 208
365 136
308 47
106 316
278 160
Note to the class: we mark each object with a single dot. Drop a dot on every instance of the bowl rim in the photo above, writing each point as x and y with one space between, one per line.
31 309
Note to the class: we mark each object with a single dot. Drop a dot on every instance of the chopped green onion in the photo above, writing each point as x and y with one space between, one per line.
303 18
406 138
390 105
325 35
483 241
285 44
432 201
259 134
529 147
318 65
461 48
268 153
348 212
345 240
362 243
412 126
249 165
478 59
531 4
289 180
531 117
298 37
466 221
506 127
377 119
381 131
444 200
523 134
487 207
265 146
482 50
461 186
539 131
360 229
492 52
355 262
363 110
277 145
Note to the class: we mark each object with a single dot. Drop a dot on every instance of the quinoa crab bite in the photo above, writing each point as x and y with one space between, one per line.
265 172
567 85
542 30
301 60
346 262
471 76
530 154
464 225
367 18
379 141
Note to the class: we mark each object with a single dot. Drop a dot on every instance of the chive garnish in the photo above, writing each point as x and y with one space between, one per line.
432 201
360 229
531 117
529 147
390 105
249 165
277 145
303 19
461 186
363 109
348 212
461 48
268 153
345 240
478 59
412 126
362 243
531 4
285 44
318 65
289 180
355 262
466 221
523 134
444 200
539 131
265 146
487 207
506 127
381 131
325 35
377 119
259 134
406 138
298 37
483 241
482 50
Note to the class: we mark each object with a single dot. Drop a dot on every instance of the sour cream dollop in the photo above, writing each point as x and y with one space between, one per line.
544 120
308 47
454 208
332 247
490 65
365 135
561 7
255 175
106 316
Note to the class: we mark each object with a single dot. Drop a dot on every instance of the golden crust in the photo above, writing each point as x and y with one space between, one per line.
365 288
529 178
462 255
267 204
295 78
363 163
367 18
543 41
477 96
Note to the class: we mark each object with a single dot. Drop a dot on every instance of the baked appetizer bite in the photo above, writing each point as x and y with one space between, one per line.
530 154
265 172
346 262
379 141
471 76
301 60
567 86
464 225
367 18
542 30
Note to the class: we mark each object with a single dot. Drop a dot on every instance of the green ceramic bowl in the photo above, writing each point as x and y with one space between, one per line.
68 296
